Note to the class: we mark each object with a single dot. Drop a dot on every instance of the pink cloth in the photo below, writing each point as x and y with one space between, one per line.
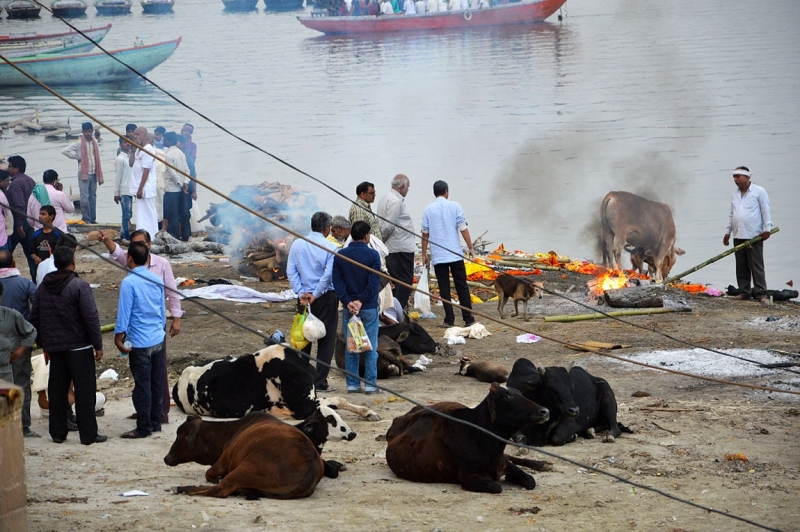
84 162
162 268
60 203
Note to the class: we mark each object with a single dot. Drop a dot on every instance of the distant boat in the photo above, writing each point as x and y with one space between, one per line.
157 7
22 9
31 43
68 8
524 12
113 7
240 5
83 69
283 4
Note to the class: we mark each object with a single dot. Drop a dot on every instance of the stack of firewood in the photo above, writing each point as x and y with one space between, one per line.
265 259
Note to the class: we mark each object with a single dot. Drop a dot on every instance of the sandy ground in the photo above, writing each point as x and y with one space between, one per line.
680 449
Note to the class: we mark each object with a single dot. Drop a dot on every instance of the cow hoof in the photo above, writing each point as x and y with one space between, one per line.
373 417
590 434
541 465
178 489
338 465
608 439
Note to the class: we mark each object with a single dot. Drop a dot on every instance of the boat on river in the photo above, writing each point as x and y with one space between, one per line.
239 5
113 7
283 5
31 43
83 69
513 13
68 8
20 9
157 7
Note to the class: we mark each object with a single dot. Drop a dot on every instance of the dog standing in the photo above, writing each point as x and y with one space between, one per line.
519 289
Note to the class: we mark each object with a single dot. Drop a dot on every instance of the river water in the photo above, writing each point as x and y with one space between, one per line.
531 126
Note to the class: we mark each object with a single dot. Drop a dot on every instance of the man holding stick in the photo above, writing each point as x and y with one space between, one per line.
749 218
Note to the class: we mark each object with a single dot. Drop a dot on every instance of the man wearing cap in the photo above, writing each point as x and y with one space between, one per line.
749 218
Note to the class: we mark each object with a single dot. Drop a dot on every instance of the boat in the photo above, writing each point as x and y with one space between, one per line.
22 9
157 7
524 12
82 69
283 5
113 7
68 8
31 43
239 5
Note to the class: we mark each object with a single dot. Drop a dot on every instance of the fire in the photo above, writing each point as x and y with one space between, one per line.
607 280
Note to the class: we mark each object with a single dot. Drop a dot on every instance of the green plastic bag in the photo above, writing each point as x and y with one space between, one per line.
296 335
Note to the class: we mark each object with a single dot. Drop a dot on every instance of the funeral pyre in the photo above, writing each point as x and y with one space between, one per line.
260 248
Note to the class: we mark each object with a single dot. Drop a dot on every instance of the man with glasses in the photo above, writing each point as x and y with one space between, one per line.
361 211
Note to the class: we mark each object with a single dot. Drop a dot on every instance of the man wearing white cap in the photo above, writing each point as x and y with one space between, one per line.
749 218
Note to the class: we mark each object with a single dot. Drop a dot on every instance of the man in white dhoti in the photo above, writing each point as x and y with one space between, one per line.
143 182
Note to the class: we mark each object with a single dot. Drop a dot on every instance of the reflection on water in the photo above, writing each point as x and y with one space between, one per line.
530 125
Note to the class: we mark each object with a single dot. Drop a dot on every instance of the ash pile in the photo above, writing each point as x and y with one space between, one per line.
261 249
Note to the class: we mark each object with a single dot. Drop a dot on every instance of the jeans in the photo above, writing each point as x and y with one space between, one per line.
176 213
148 376
22 377
28 246
351 360
126 202
88 199
459 273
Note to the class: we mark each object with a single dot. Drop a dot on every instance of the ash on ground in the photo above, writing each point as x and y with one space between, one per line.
777 323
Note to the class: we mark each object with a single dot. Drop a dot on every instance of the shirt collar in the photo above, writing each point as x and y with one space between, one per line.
364 204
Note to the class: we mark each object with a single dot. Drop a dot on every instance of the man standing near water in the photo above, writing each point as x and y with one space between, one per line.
90 172
143 182
397 231
749 218
361 209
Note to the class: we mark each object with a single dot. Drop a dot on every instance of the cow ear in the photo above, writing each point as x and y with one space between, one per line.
193 435
542 370
492 403
310 428
402 336
679 251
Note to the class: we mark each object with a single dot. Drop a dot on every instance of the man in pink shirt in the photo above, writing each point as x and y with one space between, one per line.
52 190
163 269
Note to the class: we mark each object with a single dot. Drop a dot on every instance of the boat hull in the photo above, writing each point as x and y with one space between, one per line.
27 12
69 12
26 45
68 38
115 8
500 15
157 8
283 5
87 68
240 5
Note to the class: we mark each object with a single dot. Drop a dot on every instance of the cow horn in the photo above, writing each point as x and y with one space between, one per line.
542 370
571 365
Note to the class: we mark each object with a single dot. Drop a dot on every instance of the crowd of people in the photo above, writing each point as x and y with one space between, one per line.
358 8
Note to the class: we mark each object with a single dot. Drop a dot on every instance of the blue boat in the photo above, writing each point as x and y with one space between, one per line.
83 69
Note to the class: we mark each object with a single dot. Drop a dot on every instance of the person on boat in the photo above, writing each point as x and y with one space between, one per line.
356 12
442 6
409 8
373 9
432 6
386 7
90 171
343 11
420 5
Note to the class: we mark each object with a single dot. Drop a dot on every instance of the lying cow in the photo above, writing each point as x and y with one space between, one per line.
391 361
642 223
425 447
266 457
411 336
579 403
483 370
203 441
276 379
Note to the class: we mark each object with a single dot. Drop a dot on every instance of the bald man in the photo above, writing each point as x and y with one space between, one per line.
144 184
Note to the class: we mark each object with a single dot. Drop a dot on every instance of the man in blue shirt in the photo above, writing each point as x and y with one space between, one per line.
442 221
140 320
358 289
309 270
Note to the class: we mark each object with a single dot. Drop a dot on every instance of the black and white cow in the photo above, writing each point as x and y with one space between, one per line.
275 379
579 403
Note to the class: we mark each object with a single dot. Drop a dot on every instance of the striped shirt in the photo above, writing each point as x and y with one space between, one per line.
361 211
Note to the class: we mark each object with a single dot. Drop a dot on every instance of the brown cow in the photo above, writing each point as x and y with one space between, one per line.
646 224
426 447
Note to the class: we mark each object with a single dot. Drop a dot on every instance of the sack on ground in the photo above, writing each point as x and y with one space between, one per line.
422 302
357 339
296 335
313 328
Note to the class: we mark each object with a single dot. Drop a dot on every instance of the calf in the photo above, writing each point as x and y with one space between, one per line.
391 360
411 336
426 447
580 403
484 371
639 258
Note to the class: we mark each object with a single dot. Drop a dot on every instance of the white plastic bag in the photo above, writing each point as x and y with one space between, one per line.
313 328
422 302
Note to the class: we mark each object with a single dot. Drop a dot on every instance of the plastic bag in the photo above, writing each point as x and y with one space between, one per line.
313 328
357 339
296 335
422 302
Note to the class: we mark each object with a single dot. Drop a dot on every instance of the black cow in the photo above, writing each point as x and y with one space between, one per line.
391 360
412 337
426 447
580 404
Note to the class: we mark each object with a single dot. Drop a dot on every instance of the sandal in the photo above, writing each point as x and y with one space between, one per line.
133 435
445 325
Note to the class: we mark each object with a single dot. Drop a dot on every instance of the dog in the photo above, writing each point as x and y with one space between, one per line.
519 289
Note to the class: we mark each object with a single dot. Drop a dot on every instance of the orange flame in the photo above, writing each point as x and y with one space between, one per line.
608 280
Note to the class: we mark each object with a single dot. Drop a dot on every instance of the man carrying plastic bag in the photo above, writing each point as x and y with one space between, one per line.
358 289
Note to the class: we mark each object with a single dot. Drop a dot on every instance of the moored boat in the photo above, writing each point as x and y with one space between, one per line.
20 9
113 7
524 12
157 7
240 5
71 41
92 68
283 4
68 8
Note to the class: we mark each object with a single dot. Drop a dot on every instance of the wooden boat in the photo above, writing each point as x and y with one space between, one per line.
524 12
157 7
239 5
22 9
31 43
68 8
113 7
283 5
82 69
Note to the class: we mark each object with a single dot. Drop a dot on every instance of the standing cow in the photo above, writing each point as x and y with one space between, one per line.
642 223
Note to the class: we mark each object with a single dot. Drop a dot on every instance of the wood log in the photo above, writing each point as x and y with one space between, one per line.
266 263
178 248
265 274
207 247
635 297
32 125
17 122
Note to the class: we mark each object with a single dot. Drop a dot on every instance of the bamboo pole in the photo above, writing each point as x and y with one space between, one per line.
598 316
718 257
526 264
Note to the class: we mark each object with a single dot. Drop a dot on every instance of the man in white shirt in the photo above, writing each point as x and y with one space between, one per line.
749 218
420 5
432 6
397 231
122 188
143 182
409 8
386 8
176 211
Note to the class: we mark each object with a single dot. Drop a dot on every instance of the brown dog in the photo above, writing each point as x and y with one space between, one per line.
519 289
